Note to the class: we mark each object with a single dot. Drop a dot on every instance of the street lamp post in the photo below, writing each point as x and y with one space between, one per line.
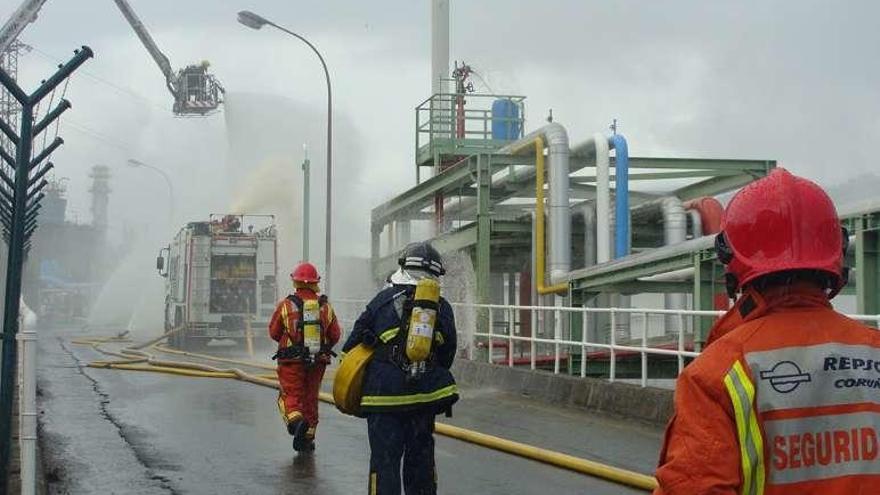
137 164
305 220
255 21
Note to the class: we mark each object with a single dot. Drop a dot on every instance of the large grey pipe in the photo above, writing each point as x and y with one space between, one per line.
674 221
587 212
556 139
559 210
674 232
696 223
603 199
558 162
520 175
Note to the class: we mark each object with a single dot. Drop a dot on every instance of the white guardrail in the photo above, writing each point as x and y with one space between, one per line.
566 339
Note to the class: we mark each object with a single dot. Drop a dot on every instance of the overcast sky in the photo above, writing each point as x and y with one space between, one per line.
795 81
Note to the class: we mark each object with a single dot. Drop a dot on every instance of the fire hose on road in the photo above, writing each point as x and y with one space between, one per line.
135 358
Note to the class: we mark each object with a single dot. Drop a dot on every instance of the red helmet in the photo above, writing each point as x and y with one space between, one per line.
778 223
305 272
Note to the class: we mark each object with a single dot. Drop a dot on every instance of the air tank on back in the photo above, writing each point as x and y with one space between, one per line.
505 119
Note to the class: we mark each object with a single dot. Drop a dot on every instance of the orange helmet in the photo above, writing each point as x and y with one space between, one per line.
779 223
306 273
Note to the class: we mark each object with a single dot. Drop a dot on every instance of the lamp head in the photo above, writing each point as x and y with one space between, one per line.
251 20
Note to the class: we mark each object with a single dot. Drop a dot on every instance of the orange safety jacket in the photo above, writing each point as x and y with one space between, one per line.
784 400
283 324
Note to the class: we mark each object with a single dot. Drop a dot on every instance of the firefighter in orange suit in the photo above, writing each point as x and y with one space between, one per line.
306 330
785 398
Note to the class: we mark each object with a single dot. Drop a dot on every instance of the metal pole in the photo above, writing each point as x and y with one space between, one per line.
510 340
557 336
612 364
18 237
14 263
305 221
644 346
28 410
328 221
490 336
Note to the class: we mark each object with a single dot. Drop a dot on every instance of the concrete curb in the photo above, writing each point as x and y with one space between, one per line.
650 405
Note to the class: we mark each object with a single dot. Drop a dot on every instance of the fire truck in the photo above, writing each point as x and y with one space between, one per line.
220 279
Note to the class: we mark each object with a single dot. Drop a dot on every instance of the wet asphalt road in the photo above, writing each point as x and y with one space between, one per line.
108 431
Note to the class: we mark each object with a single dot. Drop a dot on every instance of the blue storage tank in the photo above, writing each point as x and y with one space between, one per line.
505 119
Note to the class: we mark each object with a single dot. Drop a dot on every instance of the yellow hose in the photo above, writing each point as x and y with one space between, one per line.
100 340
147 362
163 369
253 364
540 243
557 459
195 370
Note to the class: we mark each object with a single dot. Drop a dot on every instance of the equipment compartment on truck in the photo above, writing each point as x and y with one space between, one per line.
220 279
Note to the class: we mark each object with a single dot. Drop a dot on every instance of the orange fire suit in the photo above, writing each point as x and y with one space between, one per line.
300 382
784 400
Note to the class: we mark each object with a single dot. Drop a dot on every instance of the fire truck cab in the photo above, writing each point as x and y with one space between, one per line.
220 279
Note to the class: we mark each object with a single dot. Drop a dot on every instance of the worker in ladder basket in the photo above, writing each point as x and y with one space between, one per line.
783 400
306 330
407 382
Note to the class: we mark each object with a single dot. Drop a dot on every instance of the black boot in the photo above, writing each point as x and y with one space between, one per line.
294 425
309 445
300 441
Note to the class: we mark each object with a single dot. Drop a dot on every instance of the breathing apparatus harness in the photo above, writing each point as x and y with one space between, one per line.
311 330
412 348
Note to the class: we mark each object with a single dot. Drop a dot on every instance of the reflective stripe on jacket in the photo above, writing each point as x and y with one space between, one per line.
788 402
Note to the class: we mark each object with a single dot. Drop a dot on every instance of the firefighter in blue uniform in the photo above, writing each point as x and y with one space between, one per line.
399 403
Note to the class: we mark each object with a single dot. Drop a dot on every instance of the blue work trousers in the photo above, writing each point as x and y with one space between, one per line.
402 435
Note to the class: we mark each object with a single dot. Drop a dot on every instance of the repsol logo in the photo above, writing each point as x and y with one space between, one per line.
822 448
841 363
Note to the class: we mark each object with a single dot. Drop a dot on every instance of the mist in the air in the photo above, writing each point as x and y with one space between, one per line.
256 171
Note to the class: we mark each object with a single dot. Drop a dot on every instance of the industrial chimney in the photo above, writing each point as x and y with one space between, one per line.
100 196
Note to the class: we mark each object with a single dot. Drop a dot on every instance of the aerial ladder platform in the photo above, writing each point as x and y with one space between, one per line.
196 91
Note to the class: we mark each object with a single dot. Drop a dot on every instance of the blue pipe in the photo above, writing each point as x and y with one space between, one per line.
621 196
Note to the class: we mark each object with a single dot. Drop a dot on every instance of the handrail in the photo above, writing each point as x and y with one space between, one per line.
442 116
577 309
452 96
638 345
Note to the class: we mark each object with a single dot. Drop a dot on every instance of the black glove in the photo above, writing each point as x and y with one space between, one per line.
369 338
323 357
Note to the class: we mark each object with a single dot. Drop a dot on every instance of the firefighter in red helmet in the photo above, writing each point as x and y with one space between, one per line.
306 330
783 400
